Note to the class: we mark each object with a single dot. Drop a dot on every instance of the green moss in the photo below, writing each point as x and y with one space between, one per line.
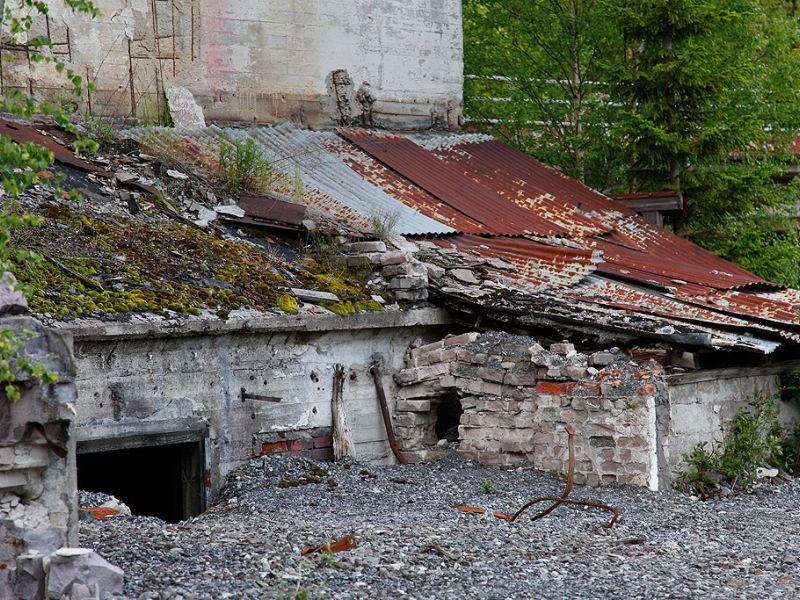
154 265
339 308
288 304
368 305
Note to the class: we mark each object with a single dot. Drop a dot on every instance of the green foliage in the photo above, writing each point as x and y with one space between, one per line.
764 242
14 361
698 96
22 165
788 458
535 78
100 132
487 487
242 165
753 441
384 227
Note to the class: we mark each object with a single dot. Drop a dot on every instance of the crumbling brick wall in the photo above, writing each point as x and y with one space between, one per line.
37 468
517 397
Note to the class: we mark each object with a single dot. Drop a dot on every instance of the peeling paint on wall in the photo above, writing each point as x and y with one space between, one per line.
257 61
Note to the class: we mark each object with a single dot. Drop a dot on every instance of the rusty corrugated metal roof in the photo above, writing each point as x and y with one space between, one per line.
450 185
565 242
539 265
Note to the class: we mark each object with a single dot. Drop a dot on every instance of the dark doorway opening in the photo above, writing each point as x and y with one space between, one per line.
164 481
448 417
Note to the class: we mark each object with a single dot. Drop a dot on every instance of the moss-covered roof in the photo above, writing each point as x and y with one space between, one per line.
105 266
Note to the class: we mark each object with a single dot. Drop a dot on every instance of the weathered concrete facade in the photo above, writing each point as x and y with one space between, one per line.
381 62
703 404
242 384
38 501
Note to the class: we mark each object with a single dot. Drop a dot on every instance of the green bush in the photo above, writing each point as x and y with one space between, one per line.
754 440
765 242
242 165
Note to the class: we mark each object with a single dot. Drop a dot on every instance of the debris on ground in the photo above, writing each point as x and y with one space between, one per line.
411 544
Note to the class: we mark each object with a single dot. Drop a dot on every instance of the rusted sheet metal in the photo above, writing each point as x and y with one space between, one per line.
274 209
511 177
677 264
451 185
618 295
537 264
22 134
548 180
401 188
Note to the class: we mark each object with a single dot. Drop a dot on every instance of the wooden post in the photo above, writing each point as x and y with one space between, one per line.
342 438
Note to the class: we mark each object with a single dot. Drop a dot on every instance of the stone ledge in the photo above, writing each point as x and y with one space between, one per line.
254 322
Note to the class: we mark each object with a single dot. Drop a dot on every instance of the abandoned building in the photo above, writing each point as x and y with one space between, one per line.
490 299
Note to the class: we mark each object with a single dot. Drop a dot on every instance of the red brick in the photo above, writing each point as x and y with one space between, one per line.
323 441
551 387
647 390
300 444
273 447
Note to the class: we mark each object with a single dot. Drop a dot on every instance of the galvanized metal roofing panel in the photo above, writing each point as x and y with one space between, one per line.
327 182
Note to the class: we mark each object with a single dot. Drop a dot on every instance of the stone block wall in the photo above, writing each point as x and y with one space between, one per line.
37 456
319 63
517 396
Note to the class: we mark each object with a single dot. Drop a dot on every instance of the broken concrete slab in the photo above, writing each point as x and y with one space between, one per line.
314 296
12 300
184 111
71 570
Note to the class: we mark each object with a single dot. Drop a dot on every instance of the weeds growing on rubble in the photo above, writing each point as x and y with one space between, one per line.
242 165
755 440
487 487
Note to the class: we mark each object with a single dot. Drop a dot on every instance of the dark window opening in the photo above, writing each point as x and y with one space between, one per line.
164 481
448 417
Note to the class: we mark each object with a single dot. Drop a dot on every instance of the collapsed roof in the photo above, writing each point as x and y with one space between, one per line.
544 249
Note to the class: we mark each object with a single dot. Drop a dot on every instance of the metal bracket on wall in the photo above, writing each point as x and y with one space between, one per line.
245 395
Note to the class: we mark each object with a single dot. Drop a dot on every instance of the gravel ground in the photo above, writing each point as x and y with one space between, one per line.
411 544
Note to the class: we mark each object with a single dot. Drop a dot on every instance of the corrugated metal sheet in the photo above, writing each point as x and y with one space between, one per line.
450 185
566 242
484 163
401 188
328 183
538 265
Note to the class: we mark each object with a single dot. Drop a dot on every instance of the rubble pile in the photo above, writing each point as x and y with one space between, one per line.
517 396
401 538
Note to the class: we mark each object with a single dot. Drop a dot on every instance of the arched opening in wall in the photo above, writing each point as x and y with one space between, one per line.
153 475
448 417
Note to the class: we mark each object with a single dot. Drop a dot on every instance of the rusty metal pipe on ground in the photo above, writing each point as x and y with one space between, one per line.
387 418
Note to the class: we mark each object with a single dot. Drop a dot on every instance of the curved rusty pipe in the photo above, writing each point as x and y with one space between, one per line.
387 418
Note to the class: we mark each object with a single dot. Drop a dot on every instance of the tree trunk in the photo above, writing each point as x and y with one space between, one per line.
342 438
674 165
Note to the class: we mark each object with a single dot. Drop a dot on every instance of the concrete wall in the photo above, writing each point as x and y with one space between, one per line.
702 405
37 481
159 381
265 61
